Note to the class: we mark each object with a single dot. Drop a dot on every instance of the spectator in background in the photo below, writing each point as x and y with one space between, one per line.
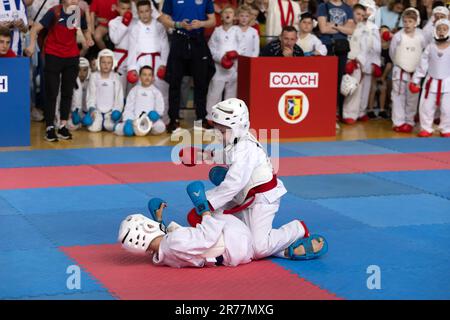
61 60
391 15
383 84
13 17
281 13
248 36
336 24
285 46
189 53
104 11
308 42
5 42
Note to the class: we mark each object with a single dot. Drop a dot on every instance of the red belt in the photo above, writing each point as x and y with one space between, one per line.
251 195
153 54
121 60
439 90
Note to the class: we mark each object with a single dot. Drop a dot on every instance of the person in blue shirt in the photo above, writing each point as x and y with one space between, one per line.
336 24
189 53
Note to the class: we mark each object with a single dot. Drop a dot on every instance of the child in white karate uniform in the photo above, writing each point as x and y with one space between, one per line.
105 99
144 108
434 66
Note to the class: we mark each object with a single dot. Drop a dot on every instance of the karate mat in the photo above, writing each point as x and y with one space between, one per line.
380 203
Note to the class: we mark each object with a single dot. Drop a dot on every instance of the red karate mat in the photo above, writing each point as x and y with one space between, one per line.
135 277
105 174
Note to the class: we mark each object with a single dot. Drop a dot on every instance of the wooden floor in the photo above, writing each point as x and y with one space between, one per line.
374 129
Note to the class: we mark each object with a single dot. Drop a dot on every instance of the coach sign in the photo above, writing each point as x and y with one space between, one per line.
295 95
14 102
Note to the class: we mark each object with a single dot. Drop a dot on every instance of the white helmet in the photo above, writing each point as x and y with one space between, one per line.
142 125
416 11
84 63
348 85
232 113
108 122
442 10
137 232
106 53
439 23
370 7
97 122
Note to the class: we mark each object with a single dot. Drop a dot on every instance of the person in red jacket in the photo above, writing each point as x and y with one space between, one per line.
5 44
61 61
104 11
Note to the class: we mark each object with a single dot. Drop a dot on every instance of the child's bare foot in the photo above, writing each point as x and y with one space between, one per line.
159 212
317 246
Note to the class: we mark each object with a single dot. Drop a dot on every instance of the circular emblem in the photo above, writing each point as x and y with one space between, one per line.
293 106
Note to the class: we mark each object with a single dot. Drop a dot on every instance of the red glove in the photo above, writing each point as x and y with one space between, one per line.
226 62
377 72
127 17
193 218
190 156
351 66
387 36
232 55
132 77
414 88
161 73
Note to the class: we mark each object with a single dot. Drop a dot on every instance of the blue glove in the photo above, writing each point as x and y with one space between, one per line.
308 54
196 191
87 120
115 115
217 174
153 205
76 117
153 116
128 128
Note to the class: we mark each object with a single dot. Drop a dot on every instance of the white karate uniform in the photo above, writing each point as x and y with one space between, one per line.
119 35
311 43
434 64
105 95
242 159
222 41
186 246
79 102
249 42
273 23
11 10
149 46
365 46
141 100
405 52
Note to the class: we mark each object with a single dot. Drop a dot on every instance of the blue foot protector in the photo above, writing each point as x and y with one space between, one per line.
217 174
307 244
196 191
153 205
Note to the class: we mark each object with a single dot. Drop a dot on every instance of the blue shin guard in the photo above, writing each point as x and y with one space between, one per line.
217 174
196 191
